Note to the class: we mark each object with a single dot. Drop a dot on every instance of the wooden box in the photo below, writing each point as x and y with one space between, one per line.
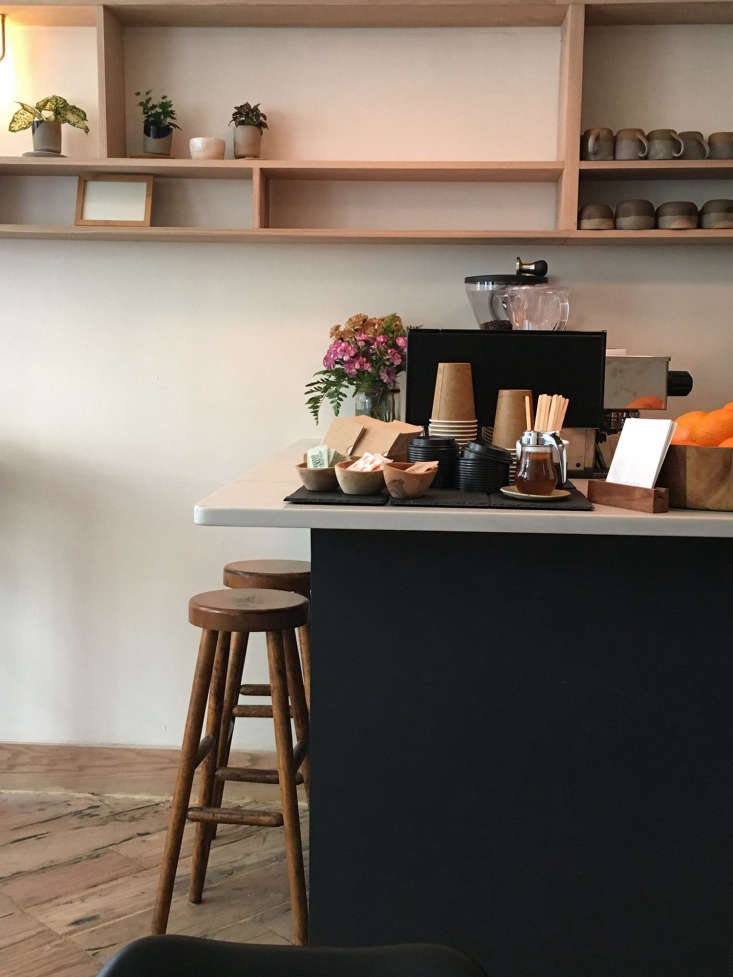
698 477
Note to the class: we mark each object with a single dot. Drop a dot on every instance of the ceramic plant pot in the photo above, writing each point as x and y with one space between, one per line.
247 142
157 140
47 138
635 215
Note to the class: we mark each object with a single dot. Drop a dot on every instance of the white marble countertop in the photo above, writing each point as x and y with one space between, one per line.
256 499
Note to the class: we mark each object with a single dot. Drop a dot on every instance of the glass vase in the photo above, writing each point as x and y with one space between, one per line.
378 400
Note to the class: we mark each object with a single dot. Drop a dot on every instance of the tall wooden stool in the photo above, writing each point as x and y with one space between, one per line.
294 575
226 618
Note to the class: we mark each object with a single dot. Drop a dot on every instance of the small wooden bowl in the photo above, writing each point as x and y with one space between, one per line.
402 484
317 479
358 483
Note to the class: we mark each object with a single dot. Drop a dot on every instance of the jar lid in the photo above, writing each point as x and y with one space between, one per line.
490 279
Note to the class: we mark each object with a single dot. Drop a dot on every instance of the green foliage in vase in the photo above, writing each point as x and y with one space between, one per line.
160 114
52 108
249 115
365 353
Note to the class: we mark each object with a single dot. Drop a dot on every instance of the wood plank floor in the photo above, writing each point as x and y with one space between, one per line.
78 873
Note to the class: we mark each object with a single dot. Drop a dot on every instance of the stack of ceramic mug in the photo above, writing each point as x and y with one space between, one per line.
454 409
641 215
635 144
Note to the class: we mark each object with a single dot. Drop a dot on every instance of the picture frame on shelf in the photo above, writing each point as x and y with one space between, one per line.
114 200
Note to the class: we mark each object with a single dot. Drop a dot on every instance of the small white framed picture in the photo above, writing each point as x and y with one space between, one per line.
114 200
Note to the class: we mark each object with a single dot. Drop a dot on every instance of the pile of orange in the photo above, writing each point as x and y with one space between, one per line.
710 428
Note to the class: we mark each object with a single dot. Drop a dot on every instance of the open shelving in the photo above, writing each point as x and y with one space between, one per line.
566 174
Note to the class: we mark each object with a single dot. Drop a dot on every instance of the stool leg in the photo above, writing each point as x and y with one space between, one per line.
297 701
288 793
186 768
237 653
304 634
208 768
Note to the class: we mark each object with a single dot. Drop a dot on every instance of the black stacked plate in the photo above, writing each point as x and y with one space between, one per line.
483 468
442 450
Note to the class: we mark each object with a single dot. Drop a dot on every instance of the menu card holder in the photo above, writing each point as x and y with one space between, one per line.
628 496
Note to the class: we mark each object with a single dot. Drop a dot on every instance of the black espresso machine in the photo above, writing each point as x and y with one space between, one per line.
572 363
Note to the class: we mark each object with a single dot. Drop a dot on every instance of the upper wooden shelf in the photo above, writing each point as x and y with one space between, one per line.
286 235
232 169
666 169
368 13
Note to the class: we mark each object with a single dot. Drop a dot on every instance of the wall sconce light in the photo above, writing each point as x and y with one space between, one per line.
2 36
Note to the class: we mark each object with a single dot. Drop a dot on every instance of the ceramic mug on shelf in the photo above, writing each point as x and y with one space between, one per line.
721 145
664 144
597 144
630 144
694 145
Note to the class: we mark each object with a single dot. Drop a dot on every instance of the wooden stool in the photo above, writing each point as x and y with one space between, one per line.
293 575
290 575
226 618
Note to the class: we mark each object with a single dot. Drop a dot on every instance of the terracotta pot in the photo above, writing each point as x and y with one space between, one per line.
47 137
247 142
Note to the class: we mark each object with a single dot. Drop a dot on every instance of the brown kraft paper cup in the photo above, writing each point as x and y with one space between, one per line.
453 400
511 419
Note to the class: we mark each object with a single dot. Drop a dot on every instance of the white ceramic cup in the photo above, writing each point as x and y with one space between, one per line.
206 147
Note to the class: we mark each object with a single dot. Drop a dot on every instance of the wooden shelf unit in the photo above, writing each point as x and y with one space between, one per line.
566 171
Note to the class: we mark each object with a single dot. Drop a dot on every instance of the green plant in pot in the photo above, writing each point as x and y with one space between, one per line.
159 121
249 123
45 119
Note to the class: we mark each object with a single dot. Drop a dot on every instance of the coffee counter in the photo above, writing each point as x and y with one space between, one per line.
521 731
256 499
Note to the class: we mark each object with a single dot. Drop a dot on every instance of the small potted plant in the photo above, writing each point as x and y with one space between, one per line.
45 119
249 124
159 121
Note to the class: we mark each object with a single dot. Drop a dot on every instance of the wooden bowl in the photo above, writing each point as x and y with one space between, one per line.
317 479
358 483
402 484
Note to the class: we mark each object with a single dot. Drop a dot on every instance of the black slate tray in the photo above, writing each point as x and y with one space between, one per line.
576 502
447 498
303 497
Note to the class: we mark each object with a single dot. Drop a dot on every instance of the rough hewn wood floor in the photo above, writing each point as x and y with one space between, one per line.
78 874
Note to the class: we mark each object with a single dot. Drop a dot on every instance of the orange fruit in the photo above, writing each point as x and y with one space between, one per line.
715 428
687 426
728 406
728 443
646 403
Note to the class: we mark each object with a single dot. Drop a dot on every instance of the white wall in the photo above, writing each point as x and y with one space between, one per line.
135 378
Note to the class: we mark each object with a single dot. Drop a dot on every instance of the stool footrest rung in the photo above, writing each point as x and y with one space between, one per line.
236 815
253 712
252 775
205 747
256 689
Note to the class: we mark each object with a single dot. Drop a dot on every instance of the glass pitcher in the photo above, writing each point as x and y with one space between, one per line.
541 462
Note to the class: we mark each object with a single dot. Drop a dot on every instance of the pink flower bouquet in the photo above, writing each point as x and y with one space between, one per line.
365 354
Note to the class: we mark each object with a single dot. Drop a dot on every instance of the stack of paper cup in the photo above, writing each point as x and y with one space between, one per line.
454 409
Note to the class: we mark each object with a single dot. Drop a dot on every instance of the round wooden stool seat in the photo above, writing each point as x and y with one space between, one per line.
292 575
248 610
